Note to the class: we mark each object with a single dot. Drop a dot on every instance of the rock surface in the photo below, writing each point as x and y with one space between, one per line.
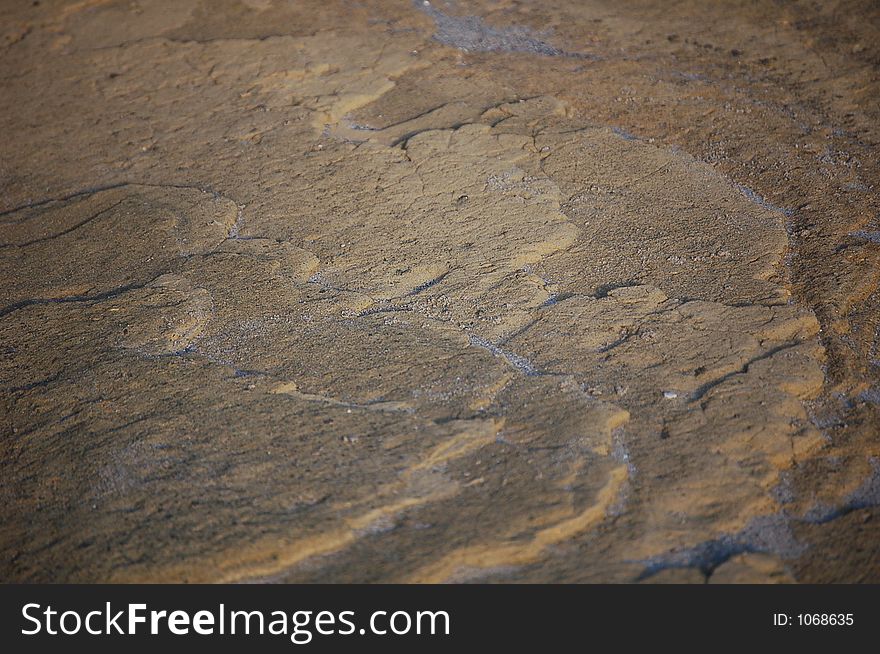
439 291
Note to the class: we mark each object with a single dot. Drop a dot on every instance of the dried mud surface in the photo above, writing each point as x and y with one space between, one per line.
450 291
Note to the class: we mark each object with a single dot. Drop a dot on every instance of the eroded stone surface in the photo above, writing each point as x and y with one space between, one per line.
298 293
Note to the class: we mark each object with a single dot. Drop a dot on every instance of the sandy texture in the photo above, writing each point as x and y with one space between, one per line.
448 291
